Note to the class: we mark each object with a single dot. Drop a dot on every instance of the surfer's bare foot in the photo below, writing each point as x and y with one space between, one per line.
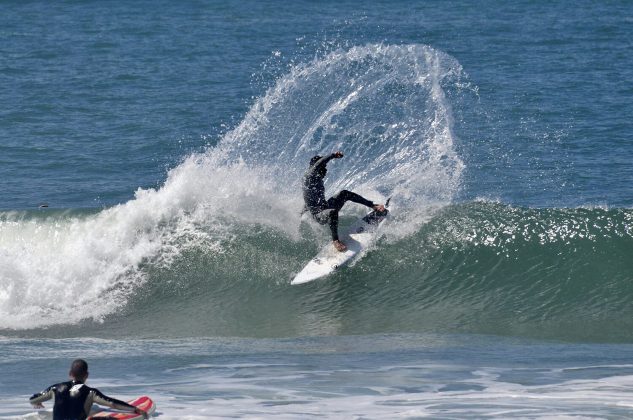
340 246
379 208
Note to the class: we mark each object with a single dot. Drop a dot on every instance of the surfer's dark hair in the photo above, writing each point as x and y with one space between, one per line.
315 159
79 368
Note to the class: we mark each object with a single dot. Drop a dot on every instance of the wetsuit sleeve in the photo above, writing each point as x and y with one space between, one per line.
102 399
45 395
319 163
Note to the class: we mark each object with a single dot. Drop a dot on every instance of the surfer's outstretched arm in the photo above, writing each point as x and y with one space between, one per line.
323 161
37 399
102 399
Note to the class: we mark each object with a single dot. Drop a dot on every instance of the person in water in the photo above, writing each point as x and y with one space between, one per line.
74 399
326 211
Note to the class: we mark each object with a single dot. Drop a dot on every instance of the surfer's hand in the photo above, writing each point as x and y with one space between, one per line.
338 155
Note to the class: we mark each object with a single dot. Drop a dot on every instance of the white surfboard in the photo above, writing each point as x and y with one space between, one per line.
357 238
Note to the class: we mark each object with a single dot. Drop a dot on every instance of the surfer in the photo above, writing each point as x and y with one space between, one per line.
326 211
73 399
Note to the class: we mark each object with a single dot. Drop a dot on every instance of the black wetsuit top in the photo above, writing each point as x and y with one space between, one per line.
313 188
73 400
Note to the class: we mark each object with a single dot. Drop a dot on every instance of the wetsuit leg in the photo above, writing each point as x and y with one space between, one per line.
336 202
329 216
334 224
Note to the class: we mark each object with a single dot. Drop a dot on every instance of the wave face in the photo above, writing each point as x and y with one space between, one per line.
479 267
385 106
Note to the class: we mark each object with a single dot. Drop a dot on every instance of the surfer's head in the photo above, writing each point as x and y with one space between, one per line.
79 370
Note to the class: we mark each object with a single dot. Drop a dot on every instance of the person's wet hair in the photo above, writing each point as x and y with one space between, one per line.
79 368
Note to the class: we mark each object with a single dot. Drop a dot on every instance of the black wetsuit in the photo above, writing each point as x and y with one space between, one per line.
326 211
73 400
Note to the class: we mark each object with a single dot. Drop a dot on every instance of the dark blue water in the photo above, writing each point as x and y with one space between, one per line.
167 140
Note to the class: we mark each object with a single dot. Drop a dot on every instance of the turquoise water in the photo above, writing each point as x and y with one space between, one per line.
167 142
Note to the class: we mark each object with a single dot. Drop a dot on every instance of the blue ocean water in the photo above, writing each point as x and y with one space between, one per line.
150 158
